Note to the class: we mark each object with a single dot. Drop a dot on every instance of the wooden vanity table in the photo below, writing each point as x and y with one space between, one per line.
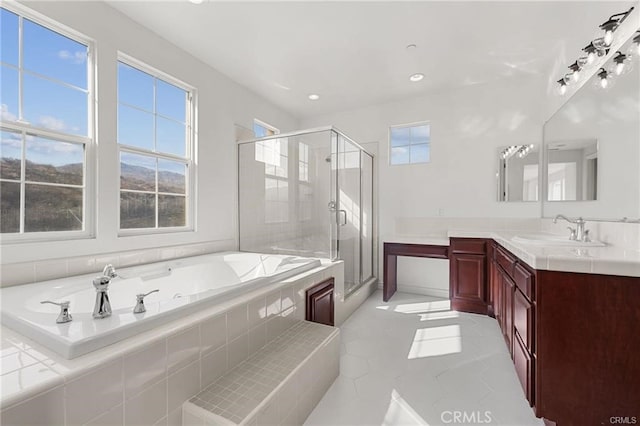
434 248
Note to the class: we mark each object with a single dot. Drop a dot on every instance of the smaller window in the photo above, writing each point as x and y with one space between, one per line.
410 144
262 129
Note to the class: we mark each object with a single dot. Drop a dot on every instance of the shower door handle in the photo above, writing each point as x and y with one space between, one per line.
340 215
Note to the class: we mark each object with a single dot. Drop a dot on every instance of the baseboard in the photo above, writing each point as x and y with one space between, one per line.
424 291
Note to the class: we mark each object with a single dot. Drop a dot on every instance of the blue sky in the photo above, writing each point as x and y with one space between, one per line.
54 96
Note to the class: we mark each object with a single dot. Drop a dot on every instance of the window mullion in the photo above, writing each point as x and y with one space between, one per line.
23 137
20 58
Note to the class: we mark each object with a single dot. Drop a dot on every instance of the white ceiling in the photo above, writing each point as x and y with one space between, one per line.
354 53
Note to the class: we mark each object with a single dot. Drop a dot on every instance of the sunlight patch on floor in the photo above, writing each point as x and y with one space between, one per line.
421 307
436 341
400 412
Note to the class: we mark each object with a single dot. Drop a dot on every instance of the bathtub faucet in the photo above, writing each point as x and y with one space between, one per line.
109 271
102 308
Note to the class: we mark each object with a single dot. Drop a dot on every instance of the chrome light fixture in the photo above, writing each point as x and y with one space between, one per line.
604 78
599 47
635 47
575 71
612 24
620 63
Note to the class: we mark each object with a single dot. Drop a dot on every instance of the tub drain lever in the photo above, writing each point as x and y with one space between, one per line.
140 308
64 315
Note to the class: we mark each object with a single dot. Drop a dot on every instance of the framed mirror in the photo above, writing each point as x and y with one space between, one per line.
518 173
591 155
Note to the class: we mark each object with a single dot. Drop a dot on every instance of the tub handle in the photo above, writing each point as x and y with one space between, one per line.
140 308
64 315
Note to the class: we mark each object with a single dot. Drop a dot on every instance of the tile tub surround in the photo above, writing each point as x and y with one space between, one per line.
281 384
31 272
160 368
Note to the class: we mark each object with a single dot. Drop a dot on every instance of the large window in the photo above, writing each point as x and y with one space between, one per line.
410 144
47 129
155 136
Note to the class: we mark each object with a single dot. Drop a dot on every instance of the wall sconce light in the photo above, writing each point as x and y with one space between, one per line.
594 50
620 63
562 86
599 47
612 24
575 71
604 78
635 47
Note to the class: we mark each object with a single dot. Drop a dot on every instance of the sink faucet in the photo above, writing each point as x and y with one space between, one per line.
102 308
577 234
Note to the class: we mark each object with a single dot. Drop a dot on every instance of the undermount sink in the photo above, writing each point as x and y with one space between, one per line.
554 240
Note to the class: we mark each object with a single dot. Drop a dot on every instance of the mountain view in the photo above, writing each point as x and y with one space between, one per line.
56 208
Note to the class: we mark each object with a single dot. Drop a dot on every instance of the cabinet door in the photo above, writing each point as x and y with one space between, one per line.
507 309
468 283
524 367
495 284
319 300
523 312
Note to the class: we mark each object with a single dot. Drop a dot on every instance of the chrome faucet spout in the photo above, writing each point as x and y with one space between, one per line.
579 234
102 307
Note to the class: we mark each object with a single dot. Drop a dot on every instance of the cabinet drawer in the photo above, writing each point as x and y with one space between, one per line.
504 259
524 281
469 246
523 319
524 368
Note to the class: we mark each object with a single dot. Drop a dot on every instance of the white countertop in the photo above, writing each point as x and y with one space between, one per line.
607 260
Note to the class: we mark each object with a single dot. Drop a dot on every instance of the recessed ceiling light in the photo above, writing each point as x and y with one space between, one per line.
416 77
196 1
314 97
411 46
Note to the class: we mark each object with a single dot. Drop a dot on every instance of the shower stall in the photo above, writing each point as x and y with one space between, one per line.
309 193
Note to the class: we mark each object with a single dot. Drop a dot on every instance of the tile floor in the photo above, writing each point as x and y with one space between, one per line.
412 361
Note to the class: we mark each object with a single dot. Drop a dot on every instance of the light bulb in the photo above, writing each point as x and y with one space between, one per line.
604 82
562 86
619 68
591 57
608 37
575 76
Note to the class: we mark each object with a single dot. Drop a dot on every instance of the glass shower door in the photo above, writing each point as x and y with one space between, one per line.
348 210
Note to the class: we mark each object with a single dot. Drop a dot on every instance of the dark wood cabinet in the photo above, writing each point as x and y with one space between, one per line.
512 282
319 307
507 310
468 275
573 337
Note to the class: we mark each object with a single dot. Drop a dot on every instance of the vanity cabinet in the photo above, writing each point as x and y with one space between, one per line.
468 274
512 284
574 337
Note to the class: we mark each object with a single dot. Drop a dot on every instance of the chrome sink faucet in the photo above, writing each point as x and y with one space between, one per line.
109 271
577 234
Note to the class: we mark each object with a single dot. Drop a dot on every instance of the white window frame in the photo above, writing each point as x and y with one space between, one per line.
189 159
88 141
267 126
408 125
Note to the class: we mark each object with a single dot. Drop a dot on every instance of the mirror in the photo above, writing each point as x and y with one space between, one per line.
591 152
518 173
572 170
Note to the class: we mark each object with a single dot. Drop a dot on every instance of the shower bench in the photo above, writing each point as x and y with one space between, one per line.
280 384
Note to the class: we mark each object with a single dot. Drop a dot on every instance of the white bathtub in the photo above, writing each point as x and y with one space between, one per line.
185 285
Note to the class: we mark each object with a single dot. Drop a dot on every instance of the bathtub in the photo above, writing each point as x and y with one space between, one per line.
186 285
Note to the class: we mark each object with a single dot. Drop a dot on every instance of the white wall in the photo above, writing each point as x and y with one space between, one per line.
467 126
221 103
